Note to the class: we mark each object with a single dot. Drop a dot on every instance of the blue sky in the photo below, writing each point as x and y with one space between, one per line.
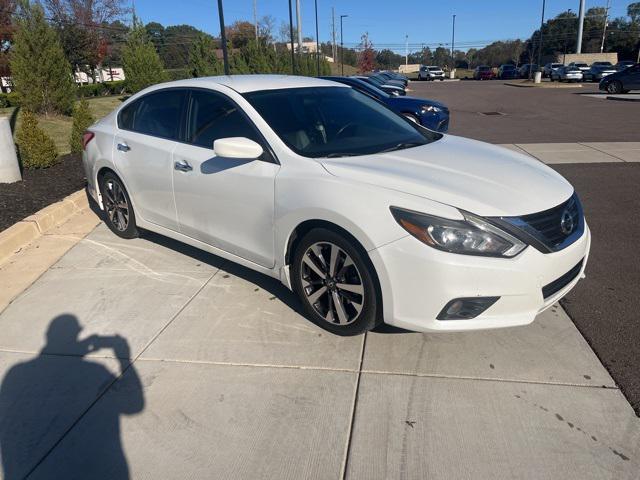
425 21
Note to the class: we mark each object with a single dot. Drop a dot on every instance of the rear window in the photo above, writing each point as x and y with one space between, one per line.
157 114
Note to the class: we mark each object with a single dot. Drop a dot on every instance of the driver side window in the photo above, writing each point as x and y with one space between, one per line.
212 116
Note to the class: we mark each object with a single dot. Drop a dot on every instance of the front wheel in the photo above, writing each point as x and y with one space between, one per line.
119 215
335 282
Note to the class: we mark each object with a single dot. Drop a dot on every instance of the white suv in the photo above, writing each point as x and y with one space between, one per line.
366 215
430 73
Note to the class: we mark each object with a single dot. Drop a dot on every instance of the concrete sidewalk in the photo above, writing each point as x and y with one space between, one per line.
588 152
226 380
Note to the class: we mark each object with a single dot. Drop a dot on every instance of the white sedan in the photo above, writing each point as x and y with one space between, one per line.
368 217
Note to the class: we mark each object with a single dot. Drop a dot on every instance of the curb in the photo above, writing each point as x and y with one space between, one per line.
22 233
543 85
622 99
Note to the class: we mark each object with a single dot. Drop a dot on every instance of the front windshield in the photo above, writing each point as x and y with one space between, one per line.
373 90
434 69
376 80
335 122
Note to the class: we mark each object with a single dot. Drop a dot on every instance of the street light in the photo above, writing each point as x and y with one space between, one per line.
453 42
317 40
223 39
541 25
293 54
342 45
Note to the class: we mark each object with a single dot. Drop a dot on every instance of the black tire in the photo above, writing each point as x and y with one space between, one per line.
361 270
119 216
614 87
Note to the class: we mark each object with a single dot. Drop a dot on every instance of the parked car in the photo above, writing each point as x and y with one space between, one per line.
384 86
624 64
431 72
527 69
598 71
549 68
398 76
622 81
367 217
428 113
390 80
580 65
483 72
507 71
566 74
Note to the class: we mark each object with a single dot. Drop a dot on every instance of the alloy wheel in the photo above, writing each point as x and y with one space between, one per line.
116 205
332 283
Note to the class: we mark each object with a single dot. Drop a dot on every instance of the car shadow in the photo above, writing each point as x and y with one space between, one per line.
42 399
260 280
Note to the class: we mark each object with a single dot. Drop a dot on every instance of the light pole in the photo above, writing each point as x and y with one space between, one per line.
453 42
342 45
604 29
293 53
580 26
223 39
540 43
317 40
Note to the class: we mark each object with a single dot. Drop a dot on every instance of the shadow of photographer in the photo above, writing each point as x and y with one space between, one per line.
42 399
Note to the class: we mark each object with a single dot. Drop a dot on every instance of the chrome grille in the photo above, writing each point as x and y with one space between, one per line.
550 230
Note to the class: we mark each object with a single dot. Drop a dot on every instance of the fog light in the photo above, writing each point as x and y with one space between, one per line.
465 308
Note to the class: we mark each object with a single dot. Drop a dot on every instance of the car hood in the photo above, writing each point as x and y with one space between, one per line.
466 174
416 103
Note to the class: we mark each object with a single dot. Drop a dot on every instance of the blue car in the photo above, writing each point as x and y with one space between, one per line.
430 114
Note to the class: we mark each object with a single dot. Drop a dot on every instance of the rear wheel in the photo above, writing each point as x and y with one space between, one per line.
119 215
615 87
335 283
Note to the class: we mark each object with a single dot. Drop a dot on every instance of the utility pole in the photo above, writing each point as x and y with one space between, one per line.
317 40
223 39
255 17
453 42
604 29
293 53
406 50
342 44
299 24
334 51
540 42
580 26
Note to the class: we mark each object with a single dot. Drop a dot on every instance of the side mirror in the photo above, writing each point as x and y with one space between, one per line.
237 147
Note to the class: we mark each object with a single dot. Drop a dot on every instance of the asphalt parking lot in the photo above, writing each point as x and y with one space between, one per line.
532 115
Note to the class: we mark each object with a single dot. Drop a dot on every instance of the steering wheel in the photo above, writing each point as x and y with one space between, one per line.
347 125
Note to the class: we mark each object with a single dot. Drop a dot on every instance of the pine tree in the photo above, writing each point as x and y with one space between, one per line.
140 61
35 147
82 119
202 58
41 73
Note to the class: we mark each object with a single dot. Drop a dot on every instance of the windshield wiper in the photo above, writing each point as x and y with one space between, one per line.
402 146
341 154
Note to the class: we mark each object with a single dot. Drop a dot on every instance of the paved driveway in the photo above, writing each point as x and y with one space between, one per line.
223 378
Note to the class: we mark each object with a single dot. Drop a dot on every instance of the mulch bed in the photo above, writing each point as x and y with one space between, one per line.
40 188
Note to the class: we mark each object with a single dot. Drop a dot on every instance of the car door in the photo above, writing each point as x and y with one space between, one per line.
147 133
227 203
631 79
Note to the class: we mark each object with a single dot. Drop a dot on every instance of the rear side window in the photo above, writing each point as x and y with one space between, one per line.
158 114
213 116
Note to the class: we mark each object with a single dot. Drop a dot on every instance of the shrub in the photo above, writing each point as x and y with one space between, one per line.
82 119
102 89
36 148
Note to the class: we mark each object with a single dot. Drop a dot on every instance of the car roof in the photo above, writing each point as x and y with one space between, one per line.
252 83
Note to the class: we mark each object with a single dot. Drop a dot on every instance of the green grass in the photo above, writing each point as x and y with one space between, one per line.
58 127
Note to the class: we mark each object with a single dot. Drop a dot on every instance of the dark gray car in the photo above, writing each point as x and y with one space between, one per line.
622 81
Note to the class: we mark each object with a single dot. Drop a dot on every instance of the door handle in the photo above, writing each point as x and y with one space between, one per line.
123 147
182 166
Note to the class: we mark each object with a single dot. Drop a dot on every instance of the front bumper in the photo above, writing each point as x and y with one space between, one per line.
418 281
437 121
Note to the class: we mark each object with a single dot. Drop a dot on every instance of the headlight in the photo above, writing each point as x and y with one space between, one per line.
430 108
471 236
